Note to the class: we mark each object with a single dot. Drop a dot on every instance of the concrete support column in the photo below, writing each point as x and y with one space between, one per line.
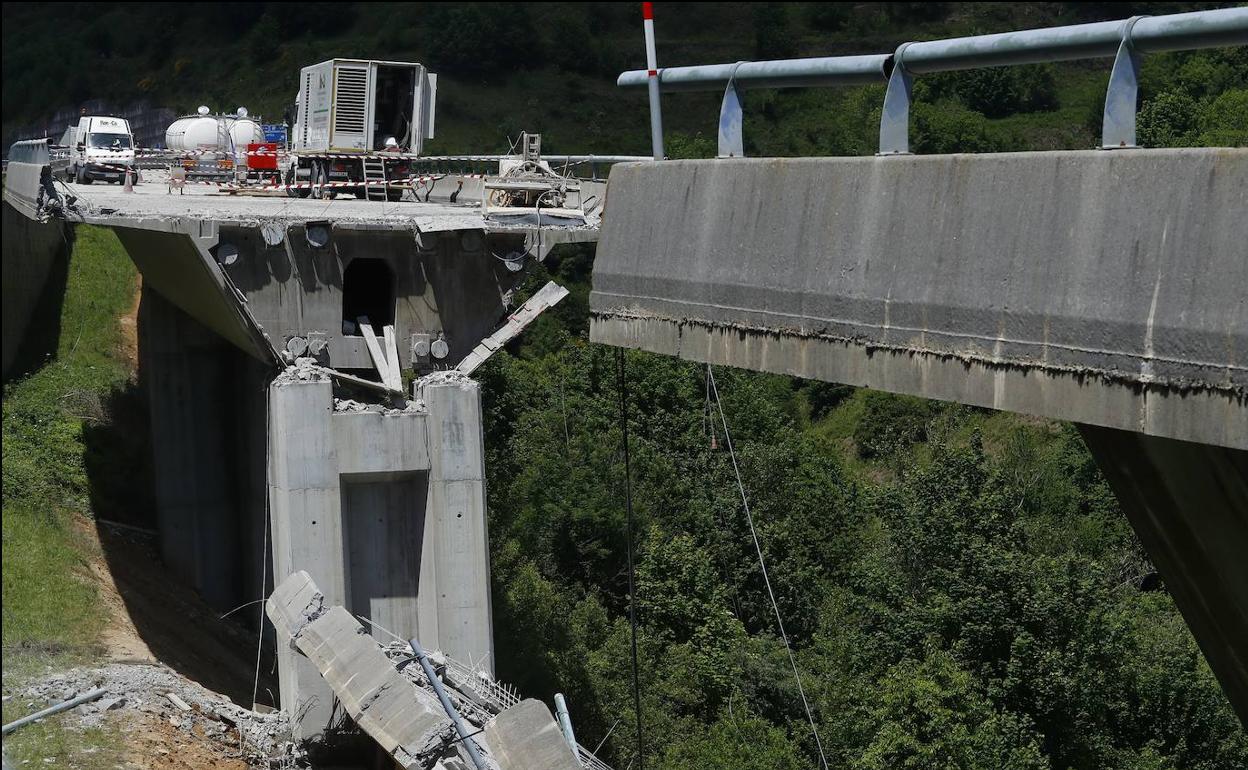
305 506
1189 505
186 371
455 565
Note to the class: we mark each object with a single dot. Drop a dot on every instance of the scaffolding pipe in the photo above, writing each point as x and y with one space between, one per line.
50 710
465 737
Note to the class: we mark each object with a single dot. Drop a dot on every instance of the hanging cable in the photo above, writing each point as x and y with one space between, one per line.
264 548
628 504
745 503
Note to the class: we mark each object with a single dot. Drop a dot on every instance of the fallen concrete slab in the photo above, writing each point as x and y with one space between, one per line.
527 736
393 701
407 722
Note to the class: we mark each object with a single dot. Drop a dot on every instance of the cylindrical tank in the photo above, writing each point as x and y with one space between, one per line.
245 131
196 132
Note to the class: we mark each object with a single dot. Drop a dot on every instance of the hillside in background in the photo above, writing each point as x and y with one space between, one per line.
551 67
960 586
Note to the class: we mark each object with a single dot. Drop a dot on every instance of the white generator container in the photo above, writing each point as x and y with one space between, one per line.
354 105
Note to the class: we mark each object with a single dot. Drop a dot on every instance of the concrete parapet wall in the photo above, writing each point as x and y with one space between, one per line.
1103 287
35 267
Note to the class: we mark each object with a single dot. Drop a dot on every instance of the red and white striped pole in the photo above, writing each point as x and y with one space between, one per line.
652 67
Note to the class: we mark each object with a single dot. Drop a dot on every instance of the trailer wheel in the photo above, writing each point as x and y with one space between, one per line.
322 178
292 192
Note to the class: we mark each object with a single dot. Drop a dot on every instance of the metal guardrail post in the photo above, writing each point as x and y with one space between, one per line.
731 117
895 117
565 723
1122 95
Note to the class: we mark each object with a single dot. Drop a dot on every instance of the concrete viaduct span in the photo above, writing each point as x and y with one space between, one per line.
307 367
1106 288
1109 289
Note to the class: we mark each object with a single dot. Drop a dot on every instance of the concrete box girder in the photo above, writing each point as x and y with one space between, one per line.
1063 284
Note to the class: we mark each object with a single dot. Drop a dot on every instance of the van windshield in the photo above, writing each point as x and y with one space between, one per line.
109 141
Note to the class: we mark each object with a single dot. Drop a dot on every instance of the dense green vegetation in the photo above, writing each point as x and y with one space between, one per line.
51 612
960 586
551 67
48 606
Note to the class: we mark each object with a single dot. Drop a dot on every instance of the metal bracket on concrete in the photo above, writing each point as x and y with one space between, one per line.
1118 123
731 142
895 119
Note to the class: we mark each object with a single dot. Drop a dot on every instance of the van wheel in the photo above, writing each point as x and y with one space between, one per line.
83 176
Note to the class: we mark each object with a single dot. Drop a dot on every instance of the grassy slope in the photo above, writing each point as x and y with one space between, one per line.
50 613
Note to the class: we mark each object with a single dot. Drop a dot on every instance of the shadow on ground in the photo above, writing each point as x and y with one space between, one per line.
172 620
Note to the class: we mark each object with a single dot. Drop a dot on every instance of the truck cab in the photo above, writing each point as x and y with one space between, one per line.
103 148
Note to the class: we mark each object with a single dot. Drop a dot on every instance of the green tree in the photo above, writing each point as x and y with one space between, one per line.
931 717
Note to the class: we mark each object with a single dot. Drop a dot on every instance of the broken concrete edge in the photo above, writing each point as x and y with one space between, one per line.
406 720
298 603
381 701
599 318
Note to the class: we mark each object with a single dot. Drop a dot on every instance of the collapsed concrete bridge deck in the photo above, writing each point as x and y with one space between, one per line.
301 359
1106 288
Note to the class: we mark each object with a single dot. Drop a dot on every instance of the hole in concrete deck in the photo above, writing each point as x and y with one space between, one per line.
367 290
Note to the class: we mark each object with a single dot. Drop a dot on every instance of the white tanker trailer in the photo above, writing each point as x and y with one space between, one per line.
206 133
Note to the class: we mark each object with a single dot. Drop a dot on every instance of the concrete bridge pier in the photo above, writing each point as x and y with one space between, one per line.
385 509
456 561
206 400
1188 503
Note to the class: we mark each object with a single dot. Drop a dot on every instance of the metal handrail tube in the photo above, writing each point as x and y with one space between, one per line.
783 73
1151 34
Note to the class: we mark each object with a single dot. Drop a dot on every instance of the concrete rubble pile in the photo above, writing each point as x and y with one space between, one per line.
264 740
389 697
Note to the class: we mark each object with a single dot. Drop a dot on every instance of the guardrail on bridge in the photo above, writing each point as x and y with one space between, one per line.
1126 40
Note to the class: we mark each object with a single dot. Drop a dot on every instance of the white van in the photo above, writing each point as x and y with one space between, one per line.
103 149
